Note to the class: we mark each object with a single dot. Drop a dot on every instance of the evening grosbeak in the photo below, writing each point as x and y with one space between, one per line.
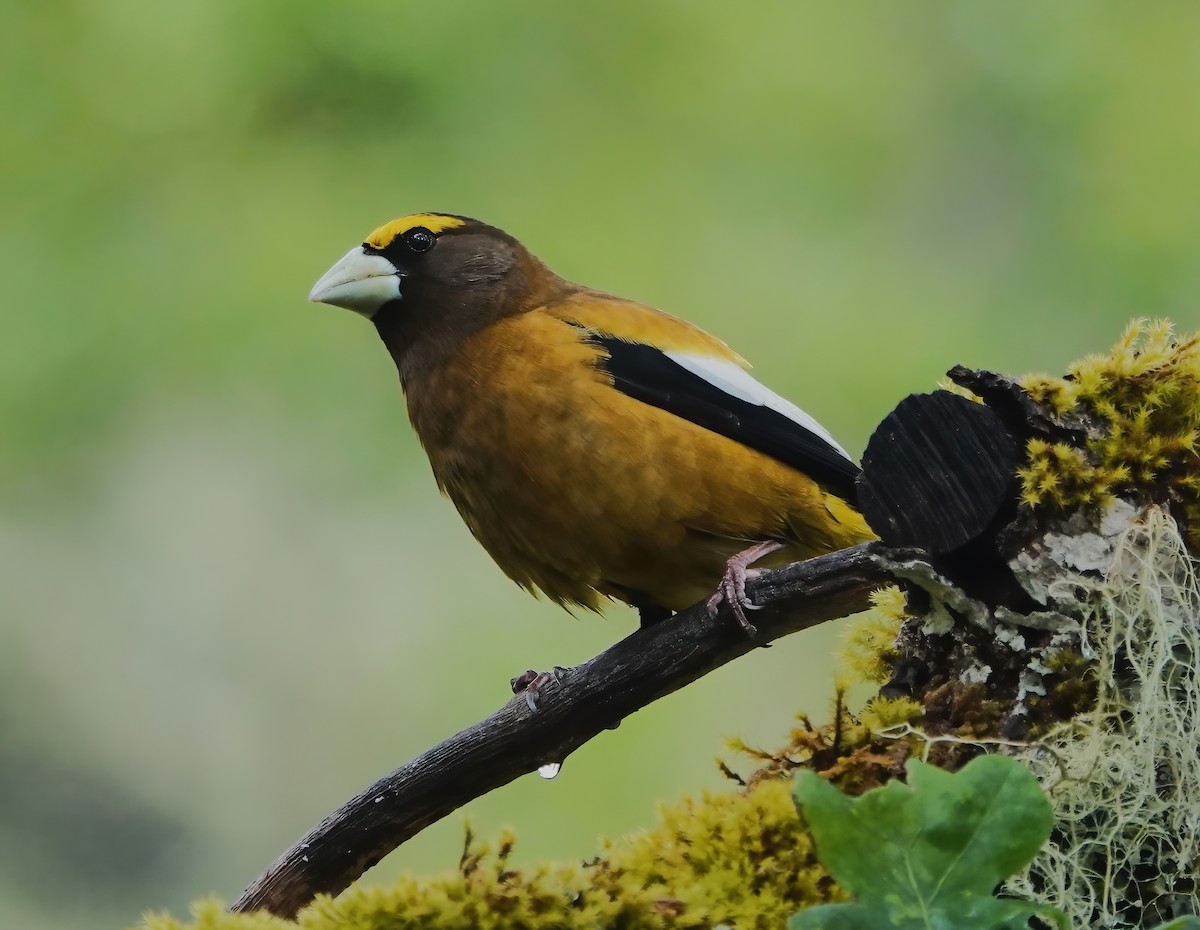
596 447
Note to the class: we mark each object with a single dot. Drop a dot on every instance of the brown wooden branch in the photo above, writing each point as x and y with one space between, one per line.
645 666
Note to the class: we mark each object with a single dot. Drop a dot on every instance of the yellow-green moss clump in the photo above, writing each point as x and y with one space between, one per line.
1140 408
869 647
738 857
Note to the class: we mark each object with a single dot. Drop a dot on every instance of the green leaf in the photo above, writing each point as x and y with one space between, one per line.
998 913
929 853
1181 923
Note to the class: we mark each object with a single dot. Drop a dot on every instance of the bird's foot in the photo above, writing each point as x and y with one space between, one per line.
732 591
732 588
529 683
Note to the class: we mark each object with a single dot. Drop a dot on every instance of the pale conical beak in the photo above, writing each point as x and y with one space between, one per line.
361 282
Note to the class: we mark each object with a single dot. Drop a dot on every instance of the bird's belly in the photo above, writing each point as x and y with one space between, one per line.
649 503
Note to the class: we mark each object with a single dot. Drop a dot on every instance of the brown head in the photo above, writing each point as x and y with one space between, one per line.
429 281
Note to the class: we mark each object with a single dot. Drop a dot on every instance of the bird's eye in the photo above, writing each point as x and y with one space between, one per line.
419 239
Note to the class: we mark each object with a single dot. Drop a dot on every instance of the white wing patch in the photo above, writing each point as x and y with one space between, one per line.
737 382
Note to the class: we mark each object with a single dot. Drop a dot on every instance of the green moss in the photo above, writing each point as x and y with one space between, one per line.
852 751
208 914
1140 404
736 857
868 651
1071 688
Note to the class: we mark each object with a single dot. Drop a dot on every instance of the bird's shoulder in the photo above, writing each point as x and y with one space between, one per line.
633 322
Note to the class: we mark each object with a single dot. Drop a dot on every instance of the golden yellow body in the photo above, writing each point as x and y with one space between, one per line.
576 488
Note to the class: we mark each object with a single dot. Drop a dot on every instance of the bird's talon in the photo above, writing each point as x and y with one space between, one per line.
732 588
529 683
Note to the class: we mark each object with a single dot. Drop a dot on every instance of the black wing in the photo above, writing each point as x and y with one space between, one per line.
643 372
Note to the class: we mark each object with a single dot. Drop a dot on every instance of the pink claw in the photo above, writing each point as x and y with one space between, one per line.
732 587
529 682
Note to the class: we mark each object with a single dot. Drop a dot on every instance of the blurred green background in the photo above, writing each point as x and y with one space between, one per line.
230 595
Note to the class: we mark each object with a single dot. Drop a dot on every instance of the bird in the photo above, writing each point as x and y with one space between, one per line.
598 448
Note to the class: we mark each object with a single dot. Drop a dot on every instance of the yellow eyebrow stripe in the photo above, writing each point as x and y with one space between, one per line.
386 234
